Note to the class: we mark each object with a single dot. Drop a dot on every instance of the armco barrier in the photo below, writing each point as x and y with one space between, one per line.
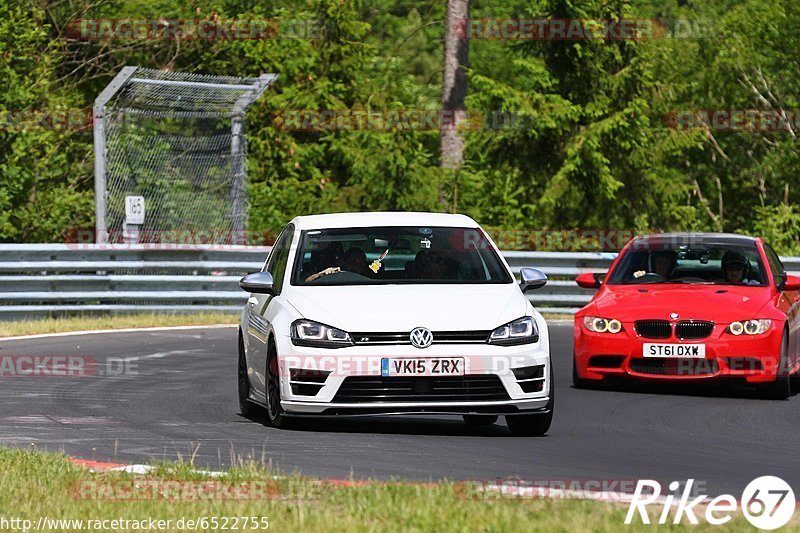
59 279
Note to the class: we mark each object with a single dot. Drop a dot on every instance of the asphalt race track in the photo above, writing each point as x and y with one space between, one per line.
173 394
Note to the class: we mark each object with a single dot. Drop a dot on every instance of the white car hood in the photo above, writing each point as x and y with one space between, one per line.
400 308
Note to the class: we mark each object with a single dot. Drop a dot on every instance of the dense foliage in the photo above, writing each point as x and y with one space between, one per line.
581 140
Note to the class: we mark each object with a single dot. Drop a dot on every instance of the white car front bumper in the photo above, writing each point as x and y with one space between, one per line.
489 385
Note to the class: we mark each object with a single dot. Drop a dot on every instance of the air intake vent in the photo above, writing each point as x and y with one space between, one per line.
364 389
674 367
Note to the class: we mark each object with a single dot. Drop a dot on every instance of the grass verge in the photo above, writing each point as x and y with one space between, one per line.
556 316
81 323
35 485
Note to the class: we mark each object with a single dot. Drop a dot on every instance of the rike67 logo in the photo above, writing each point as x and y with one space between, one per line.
768 502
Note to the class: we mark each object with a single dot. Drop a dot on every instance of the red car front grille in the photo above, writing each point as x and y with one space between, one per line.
653 329
693 329
685 329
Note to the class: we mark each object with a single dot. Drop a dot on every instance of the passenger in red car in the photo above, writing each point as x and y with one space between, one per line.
735 269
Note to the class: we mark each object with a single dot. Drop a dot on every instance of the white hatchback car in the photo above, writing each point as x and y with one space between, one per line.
393 313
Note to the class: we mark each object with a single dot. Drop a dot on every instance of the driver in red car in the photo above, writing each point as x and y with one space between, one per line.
663 263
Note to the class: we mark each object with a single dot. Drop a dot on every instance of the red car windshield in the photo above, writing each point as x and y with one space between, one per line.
718 264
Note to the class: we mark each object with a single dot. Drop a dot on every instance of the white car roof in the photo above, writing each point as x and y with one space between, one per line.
388 218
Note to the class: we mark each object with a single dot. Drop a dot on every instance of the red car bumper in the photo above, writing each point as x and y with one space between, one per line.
754 358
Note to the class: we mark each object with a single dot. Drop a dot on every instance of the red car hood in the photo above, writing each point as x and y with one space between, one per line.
719 303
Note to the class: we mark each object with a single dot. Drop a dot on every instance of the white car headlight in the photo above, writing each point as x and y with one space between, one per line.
750 327
314 334
520 331
602 325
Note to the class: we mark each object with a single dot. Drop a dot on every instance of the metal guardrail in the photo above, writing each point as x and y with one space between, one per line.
58 279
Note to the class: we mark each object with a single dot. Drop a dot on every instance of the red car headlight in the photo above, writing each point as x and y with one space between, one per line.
749 327
602 325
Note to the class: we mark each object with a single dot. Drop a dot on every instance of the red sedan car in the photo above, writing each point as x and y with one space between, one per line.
691 307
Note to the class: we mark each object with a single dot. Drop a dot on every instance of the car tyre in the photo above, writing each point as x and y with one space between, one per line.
537 424
246 406
781 388
276 416
480 420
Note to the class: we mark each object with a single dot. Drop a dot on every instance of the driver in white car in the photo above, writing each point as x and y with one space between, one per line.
355 260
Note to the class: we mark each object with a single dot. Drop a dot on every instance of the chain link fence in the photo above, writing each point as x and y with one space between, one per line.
172 147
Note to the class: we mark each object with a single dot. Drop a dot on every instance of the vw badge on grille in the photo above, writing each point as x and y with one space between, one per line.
421 337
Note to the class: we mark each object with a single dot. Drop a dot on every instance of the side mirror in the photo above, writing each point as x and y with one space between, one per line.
590 280
792 283
531 278
259 283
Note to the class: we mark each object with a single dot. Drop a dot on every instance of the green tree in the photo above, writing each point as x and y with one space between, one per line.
43 164
582 138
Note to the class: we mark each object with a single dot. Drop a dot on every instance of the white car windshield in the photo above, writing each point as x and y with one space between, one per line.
384 255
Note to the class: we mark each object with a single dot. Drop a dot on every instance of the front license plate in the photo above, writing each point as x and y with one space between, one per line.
422 366
690 351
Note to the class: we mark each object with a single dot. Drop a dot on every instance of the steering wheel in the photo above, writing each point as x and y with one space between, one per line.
648 277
